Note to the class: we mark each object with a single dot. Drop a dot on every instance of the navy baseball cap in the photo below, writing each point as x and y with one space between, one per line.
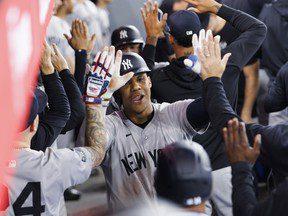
184 23
38 104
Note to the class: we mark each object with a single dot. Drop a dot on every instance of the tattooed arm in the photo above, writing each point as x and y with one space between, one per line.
96 136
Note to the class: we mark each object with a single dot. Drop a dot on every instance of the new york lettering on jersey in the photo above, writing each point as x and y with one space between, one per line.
137 160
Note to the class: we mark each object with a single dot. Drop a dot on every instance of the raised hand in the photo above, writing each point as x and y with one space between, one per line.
237 145
153 26
80 39
203 6
46 64
209 55
58 60
192 61
104 77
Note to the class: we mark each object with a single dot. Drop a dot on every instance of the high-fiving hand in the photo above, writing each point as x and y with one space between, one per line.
237 145
104 77
209 55
81 39
153 26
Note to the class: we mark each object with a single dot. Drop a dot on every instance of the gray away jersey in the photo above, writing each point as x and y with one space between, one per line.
40 179
132 152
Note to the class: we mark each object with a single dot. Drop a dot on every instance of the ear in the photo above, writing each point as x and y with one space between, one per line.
150 82
34 125
171 40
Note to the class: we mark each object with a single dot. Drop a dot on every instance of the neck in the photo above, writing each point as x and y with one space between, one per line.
23 145
61 13
140 118
199 208
102 4
183 51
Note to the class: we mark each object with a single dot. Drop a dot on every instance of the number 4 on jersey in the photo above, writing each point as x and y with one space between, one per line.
36 208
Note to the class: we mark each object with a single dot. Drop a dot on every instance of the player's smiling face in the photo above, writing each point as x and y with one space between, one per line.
136 94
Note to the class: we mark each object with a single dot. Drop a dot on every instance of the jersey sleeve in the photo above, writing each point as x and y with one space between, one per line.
110 129
74 165
176 113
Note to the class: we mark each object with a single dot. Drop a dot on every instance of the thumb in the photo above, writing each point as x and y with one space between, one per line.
257 144
67 37
93 38
225 59
194 10
125 78
164 19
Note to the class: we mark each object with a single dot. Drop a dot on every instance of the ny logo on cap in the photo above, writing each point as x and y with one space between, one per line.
123 34
127 64
189 32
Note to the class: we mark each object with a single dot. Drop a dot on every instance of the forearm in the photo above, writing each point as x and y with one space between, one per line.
75 100
216 102
243 194
80 67
252 31
197 114
54 120
148 55
96 135
277 97
59 109
251 74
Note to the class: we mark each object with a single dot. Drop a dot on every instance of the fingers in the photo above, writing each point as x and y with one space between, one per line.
85 29
146 9
225 137
257 144
127 77
77 27
151 5
143 14
164 19
201 37
225 59
236 135
244 139
217 46
195 42
194 10
73 29
230 133
210 42
67 37
117 64
56 50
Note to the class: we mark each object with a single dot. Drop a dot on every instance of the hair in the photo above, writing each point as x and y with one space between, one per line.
185 41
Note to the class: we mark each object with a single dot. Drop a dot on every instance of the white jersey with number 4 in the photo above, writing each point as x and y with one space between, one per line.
38 180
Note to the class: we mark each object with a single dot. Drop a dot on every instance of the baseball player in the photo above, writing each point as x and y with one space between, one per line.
35 181
184 177
138 132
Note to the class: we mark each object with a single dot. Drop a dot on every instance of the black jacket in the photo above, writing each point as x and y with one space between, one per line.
245 201
274 145
54 119
65 111
274 151
275 46
176 82
277 97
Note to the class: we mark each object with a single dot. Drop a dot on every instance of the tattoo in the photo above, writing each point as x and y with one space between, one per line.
187 53
96 136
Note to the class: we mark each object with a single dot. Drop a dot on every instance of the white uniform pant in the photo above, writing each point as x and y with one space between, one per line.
221 192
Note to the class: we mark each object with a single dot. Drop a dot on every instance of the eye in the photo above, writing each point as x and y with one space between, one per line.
140 78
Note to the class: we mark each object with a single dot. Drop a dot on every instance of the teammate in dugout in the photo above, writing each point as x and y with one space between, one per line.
138 132
34 182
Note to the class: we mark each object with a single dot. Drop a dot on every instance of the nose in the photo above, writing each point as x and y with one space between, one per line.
135 86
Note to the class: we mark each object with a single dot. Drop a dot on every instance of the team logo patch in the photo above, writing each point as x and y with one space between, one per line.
123 34
127 64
